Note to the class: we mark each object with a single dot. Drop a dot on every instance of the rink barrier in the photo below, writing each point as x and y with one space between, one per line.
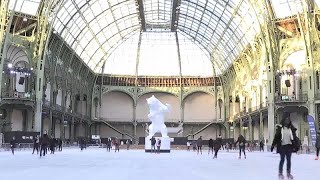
29 146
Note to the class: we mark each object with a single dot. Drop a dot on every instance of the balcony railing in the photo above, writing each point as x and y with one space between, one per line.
18 95
292 98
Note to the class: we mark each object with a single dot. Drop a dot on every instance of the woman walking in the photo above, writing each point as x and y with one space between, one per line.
286 142
210 143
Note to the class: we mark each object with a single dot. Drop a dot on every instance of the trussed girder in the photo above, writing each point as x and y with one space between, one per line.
142 17
175 15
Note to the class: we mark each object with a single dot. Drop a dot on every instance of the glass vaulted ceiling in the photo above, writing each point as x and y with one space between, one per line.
220 29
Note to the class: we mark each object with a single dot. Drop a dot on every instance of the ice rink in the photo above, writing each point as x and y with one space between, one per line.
98 164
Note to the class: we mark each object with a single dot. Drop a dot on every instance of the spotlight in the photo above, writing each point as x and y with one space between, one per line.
31 69
9 65
25 19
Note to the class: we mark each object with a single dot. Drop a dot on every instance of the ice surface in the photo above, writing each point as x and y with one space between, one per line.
136 164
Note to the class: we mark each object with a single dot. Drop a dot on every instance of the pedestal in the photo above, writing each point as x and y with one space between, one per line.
165 144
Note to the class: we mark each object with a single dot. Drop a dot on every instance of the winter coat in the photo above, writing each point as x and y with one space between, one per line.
153 141
199 142
211 143
241 140
45 140
13 143
217 144
278 139
318 141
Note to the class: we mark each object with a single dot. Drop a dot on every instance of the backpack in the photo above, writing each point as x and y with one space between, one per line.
296 144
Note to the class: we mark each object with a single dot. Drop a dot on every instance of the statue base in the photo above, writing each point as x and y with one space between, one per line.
164 148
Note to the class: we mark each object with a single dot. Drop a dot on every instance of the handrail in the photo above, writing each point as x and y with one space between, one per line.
115 129
200 130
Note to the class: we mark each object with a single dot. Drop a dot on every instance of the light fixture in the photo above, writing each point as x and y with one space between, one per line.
9 65
31 69
24 19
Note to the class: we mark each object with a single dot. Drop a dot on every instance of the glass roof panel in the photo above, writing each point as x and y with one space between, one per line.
194 60
122 60
219 28
158 55
25 6
285 8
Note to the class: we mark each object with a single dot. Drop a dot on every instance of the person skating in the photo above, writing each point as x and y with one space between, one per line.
52 143
261 146
188 146
242 146
109 141
59 144
158 145
82 144
199 145
36 144
153 144
318 145
128 144
44 141
13 144
286 142
217 146
117 144
210 144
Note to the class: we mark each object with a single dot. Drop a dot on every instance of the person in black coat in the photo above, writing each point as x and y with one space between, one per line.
285 140
153 144
108 143
217 146
242 146
199 145
52 143
318 145
44 144
13 144
60 144
261 146
36 144
210 143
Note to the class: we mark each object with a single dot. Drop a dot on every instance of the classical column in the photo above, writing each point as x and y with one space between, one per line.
250 129
261 129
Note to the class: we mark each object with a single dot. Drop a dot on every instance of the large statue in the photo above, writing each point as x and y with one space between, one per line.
156 116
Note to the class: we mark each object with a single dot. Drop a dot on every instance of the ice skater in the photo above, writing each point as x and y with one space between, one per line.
59 144
116 144
210 144
44 141
128 144
13 144
52 143
318 145
199 145
36 144
285 141
217 146
242 146
261 146
158 145
109 144
153 144
188 146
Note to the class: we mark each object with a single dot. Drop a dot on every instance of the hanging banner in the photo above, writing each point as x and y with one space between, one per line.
312 129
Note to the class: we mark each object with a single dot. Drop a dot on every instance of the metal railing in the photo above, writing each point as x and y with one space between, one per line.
292 98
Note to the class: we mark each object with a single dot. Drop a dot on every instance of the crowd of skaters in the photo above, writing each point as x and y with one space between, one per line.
215 145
